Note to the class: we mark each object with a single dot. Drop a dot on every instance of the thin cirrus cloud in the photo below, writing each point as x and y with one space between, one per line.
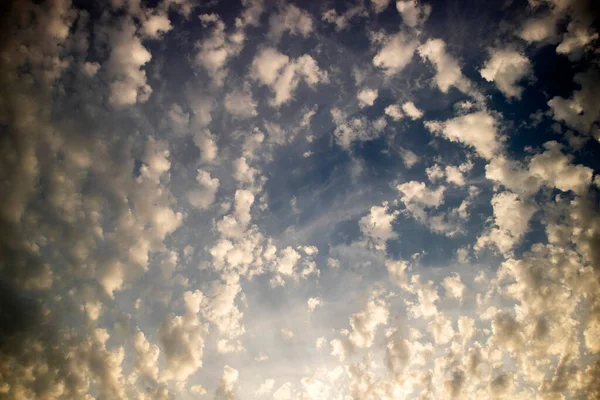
295 201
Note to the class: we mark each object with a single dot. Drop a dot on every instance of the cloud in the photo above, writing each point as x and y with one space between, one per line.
128 84
448 72
240 104
203 197
364 324
411 110
394 112
395 54
283 75
478 130
511 222
412 12
227 385
290 19
182 339
507 68
218 48
580 111
366 97
377 225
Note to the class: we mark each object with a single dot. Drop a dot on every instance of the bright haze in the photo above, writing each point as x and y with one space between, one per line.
299 200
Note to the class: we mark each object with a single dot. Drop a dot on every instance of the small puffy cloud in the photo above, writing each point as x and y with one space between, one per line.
313 303
413 12
506 68
366 97
341 21
217 48
349 130
128 81
441 329
448 71
409 158
146 361
228 384
556 170
240 104
417 197
290 19
412 111
198 390
265 388
377 225
511 220
478 130
286 333
364 324
454 287
395 54
204 196
182 339
207 145
582 110
394 112
156 25
283 75
379 5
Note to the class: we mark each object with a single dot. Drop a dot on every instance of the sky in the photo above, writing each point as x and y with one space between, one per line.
299 200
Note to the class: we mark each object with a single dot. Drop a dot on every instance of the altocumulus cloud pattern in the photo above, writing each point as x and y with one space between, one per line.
299 200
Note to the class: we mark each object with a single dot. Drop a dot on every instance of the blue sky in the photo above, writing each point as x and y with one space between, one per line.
299 200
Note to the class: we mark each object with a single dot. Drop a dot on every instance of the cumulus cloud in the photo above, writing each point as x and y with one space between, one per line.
396 53
448 72
240 104
203 197
283 74
366 97
182 339
413 12
477 130
128 85
507 68
290 19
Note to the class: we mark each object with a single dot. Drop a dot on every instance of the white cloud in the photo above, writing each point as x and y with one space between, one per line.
412 12
182 339
283 75
203 197
411 110
265 388
240 104
342 21
448 71
218 48
313 303
396 53
156 25
364 324
511 220
417 197
228 384
478 130
146 362
379 5
409 158
366 97
507 68
290 19
128 55
377 225
581 110
394 112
